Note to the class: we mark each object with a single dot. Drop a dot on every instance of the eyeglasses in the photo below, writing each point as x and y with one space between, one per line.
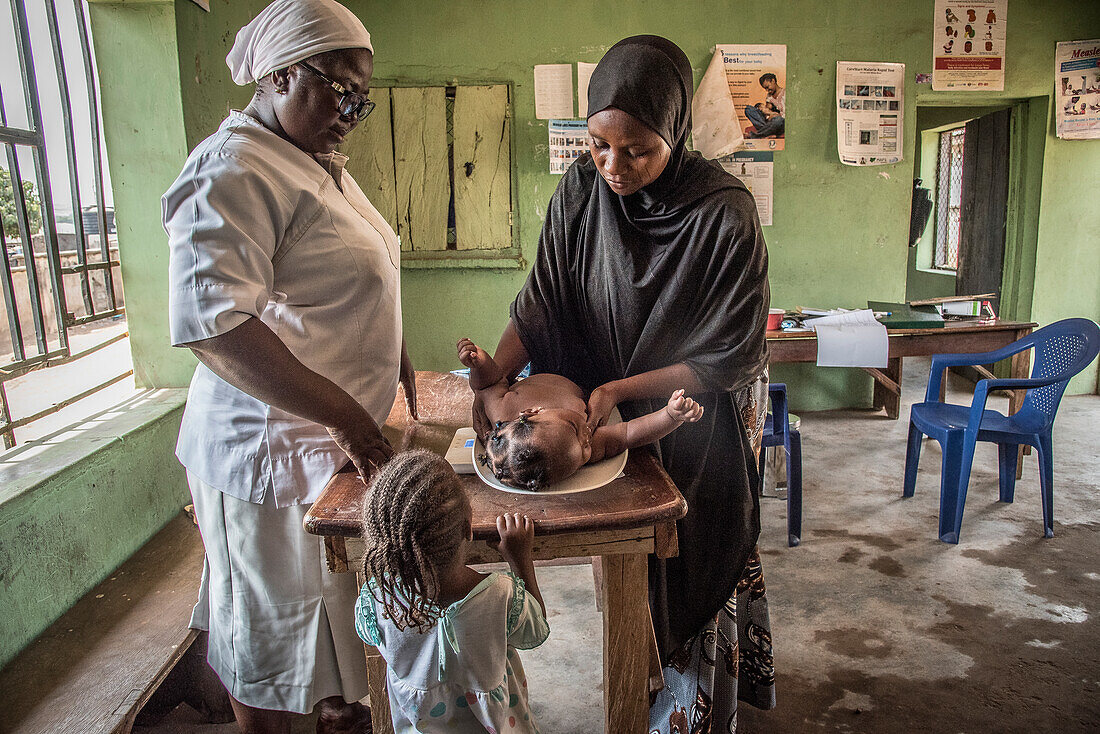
350 104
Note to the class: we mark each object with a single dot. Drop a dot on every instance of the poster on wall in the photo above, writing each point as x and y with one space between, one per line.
754 169
1077 90
755 92
870 99
968 45
568 142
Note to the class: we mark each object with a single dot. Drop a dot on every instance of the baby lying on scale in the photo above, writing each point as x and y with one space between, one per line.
541 433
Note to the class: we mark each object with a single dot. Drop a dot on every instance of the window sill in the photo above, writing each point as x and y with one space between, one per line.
509 259
38 461
938 271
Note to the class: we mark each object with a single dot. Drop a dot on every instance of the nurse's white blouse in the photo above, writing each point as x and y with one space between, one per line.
257 227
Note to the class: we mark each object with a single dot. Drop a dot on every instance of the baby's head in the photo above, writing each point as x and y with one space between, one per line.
541 447
416 522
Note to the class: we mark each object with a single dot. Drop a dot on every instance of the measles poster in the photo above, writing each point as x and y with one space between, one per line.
754 93
1077 90
968 45
870 102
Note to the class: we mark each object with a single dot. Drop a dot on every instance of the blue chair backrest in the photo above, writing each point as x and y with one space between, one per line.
1062 349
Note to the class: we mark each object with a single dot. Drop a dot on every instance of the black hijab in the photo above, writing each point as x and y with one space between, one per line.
674 273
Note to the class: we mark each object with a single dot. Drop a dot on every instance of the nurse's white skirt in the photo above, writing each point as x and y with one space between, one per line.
282 627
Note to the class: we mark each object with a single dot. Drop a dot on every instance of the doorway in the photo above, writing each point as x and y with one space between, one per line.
982 169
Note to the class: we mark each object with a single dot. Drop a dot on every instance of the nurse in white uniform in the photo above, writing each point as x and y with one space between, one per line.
285 283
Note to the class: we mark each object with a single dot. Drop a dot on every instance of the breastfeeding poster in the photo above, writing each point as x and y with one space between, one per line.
756 75
1077 90
869 100
968 46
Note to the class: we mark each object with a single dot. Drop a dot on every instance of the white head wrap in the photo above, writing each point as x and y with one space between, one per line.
288 31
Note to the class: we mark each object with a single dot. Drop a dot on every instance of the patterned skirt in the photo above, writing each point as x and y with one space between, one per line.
730 658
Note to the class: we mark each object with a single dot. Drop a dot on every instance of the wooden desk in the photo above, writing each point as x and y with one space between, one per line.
954 337
623 522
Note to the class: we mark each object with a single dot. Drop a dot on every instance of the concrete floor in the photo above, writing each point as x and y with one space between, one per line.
878 626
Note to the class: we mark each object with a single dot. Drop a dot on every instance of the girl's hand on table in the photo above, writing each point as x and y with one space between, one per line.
600 403
517 539
365 445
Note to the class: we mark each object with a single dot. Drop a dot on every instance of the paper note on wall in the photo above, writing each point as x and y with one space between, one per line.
584 73
553 91
852 339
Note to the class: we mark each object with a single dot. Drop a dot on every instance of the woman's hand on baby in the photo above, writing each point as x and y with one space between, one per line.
600 403
470 354
517 538
683 408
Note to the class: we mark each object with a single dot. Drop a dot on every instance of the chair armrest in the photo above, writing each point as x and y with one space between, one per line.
982 388
943 361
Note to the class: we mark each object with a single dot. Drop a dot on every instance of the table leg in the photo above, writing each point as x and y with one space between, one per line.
888 388
381 721
379 698
626 642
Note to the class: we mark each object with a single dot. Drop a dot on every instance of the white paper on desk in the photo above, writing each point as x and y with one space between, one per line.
553 91
852 339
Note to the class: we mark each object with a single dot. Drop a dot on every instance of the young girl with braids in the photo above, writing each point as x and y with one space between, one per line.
449 634
541 433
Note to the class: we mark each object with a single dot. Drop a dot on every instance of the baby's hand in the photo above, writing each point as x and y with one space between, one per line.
470 354
517 538
683 408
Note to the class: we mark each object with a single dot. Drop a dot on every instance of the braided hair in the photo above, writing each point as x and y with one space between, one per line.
414 522
511 454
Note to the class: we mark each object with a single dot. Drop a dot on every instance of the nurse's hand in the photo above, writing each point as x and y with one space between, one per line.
408 382
365 445
600 403
481 423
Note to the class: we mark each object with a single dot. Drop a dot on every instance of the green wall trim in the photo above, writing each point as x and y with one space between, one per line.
76 505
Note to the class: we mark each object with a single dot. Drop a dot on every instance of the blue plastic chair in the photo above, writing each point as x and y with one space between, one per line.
778 432
1062 349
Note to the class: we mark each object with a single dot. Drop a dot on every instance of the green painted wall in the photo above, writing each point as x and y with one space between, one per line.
1067 270
135 48
840 232
66 533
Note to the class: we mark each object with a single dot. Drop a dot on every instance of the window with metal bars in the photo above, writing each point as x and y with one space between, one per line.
949 168
59 267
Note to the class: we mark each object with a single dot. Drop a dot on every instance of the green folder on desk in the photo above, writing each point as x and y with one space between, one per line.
904 316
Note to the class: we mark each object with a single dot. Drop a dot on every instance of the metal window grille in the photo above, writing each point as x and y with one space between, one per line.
949 169
35 269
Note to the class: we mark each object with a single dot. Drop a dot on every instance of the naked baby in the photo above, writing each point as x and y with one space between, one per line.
540 431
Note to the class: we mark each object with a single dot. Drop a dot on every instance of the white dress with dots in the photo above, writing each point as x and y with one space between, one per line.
463 674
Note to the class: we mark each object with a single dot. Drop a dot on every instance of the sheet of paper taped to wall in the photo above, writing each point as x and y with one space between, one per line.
851 339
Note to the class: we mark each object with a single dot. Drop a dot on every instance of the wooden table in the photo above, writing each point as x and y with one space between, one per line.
953 337
622 522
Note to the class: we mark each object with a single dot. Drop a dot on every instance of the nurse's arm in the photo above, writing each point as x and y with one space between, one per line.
653 384
254 360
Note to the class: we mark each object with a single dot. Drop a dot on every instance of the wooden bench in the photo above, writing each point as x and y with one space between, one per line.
96 666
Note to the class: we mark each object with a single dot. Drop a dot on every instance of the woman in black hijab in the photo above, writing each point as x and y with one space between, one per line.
651 275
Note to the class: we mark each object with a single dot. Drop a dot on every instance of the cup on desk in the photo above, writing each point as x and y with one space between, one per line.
775 317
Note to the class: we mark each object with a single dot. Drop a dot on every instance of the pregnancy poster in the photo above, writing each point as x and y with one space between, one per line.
968 45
